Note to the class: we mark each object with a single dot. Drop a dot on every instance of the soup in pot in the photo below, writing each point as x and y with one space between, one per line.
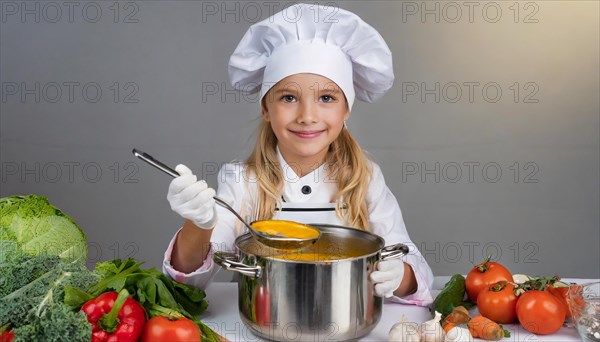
327 248
311 256
335 243
288 229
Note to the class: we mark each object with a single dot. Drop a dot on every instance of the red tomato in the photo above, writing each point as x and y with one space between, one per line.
540 312
498 302
561 294
262 306
483 275
159 329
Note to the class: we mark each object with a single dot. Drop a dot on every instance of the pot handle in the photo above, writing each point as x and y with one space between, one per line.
230 262
393 251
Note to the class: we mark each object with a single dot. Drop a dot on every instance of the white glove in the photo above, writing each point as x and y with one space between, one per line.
192 199
388 277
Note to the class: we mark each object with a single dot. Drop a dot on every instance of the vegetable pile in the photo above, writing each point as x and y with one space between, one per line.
48 294
32 290
539 304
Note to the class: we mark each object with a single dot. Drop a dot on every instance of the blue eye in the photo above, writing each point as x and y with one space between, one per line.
288 98
327 99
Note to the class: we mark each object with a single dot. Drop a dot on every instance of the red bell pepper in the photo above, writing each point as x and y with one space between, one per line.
115 317
7 336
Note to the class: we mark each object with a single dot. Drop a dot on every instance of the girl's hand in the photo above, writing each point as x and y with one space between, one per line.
192 199
388 277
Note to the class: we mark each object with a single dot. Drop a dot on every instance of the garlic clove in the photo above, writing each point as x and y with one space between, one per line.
458 334
431 331
404 332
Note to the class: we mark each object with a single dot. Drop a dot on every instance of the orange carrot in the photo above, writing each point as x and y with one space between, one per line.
486 329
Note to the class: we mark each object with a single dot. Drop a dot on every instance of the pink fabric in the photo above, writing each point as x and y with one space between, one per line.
198 278
422 297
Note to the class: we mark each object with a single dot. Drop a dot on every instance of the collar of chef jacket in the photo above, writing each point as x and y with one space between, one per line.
295 189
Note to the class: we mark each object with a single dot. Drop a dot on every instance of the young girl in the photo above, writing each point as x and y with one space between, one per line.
309 63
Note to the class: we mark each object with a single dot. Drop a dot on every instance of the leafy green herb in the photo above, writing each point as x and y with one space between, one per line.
147 286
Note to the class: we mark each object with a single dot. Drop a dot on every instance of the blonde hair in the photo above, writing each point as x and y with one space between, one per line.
348 165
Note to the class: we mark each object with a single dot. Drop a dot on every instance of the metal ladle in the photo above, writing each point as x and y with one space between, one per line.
279 241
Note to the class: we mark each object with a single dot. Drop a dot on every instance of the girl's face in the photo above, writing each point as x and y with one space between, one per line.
307 113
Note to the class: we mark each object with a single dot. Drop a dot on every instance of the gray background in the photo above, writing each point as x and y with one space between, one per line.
168 59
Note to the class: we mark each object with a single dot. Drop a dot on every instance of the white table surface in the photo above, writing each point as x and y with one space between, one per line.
223 317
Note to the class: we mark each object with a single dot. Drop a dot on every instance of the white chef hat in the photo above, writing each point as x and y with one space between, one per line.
304 38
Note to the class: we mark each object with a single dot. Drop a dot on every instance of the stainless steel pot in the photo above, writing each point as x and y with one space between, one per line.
310 300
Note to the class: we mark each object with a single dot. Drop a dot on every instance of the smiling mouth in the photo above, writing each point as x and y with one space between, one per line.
307 134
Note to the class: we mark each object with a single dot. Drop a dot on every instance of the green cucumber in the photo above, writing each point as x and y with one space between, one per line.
451 296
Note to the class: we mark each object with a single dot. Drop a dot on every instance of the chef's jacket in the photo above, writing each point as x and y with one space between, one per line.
306 199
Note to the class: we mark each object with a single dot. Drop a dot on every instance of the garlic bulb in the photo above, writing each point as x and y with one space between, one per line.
404 332
458 334
431 331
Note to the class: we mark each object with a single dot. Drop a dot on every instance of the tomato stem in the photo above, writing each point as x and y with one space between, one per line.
499 286
484 265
